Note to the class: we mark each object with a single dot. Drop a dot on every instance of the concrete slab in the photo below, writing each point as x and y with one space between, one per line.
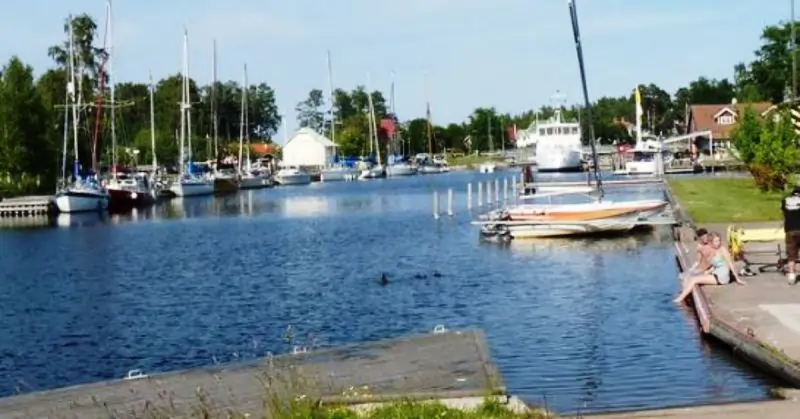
761 410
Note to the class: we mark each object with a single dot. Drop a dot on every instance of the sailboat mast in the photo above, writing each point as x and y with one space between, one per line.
75 97
182 150
188 106
153 124
246 90
370 122
112 82
429 129
392 140
330 95
214 121
579 50
241 119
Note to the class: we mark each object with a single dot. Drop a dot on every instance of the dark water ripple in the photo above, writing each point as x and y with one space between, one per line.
586 325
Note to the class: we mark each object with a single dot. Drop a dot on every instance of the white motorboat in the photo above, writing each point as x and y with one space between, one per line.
374 172
255 179
400 169
192 185
338 173
292 176
557 142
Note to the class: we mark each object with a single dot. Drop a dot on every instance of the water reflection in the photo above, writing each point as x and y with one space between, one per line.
307 206
88 219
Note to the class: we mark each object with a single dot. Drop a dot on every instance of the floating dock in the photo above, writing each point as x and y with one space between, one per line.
440 365
619 183
26 206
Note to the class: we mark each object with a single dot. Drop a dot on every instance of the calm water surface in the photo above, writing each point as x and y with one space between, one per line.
587 324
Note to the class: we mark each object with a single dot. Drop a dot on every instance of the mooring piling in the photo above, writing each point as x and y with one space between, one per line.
450 202
436 205
469 196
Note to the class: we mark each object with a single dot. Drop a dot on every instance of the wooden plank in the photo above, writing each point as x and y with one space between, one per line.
443 365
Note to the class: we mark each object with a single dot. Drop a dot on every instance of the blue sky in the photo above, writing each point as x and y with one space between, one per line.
511 54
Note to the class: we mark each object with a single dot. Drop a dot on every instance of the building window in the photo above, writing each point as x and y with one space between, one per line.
725 120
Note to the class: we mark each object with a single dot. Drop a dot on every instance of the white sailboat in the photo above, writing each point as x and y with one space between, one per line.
397 166
553 220
336 171
377 170
249 177
81 194
188 184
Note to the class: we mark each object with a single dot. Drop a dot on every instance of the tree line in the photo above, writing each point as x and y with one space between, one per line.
32 123
766 78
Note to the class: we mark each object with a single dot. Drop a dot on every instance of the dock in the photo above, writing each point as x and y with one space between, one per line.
618 183
440 365
26 206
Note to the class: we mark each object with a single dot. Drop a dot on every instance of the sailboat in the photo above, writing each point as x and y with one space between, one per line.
377 170
226 178
127 191
82 194
553 220
188 183
426 164
337 170
397 166
249 177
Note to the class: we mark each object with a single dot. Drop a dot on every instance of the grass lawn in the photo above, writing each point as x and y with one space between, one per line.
470 160
726 200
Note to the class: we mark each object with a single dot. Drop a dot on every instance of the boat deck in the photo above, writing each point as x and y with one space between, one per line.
430 366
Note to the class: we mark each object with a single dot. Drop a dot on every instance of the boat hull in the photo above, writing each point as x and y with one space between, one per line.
583 212
124 199
293 179
373 173
192 189
338 175
535 231
73 202
225 185
559 160
254 182
400 170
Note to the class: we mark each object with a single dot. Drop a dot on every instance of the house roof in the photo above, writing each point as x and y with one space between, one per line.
703 117
308 132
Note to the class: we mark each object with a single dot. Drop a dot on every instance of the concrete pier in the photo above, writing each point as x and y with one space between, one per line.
435 366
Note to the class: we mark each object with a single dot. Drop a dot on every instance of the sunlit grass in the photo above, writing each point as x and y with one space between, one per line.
728 200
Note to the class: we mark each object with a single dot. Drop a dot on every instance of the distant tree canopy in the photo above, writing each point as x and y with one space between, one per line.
32 112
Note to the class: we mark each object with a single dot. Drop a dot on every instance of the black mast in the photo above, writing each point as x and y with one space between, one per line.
577 34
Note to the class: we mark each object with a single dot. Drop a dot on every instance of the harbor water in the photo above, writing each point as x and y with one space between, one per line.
582 325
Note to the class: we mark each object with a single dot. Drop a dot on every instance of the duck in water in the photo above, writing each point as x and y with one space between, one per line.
384 279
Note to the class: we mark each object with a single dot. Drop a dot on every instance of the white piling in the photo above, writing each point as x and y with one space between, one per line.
514 194
480 194
505 189
469 196
450 202
489 192
436 205
497 191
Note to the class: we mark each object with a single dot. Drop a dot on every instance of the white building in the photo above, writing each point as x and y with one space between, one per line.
308 148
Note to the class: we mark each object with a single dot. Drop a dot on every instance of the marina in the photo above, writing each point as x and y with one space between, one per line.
577 339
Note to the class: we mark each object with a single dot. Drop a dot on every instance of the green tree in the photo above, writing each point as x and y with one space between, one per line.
311 112
26 153
770 73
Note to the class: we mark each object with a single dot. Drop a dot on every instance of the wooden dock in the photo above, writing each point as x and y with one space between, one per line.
444 365
26 206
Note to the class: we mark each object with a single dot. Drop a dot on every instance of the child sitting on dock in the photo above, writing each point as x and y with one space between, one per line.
704 253
719 272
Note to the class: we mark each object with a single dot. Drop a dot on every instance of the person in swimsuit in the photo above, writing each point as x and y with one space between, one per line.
718 273
704 253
